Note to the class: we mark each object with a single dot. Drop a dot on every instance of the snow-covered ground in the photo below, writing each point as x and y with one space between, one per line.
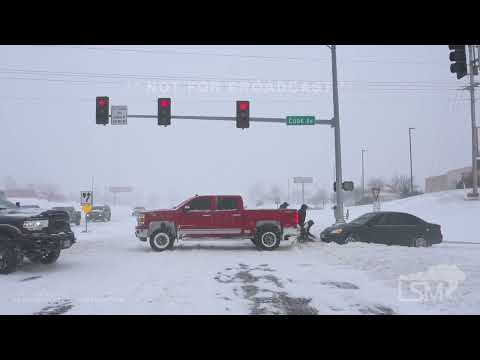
108 271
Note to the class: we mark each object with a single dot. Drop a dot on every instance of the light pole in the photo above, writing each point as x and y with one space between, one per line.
471 58
363 174
411 167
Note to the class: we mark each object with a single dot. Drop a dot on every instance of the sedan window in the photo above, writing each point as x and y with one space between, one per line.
363 219
403 219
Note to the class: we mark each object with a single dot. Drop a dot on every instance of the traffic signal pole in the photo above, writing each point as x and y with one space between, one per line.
474 127
339 214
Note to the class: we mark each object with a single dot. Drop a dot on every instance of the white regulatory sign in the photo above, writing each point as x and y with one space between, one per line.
86 198
119 115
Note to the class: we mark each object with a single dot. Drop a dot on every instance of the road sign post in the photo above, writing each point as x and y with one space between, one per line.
119 189
86 201
303 181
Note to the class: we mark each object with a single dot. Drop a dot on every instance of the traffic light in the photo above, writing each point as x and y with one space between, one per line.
243 114
102 110
346 186
164 111
459 58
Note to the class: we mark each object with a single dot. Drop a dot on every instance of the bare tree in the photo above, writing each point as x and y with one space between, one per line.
318 197
257 192
400 184
275 194
376 182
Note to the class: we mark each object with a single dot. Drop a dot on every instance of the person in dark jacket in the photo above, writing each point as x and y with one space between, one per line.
302 214
284 205
305 234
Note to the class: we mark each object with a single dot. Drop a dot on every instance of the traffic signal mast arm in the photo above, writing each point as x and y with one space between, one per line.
228 118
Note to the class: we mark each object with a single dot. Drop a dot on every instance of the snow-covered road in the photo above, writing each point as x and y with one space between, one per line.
108 271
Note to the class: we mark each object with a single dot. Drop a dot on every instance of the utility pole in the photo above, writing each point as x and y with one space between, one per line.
471 59
339 215
411 167
363 175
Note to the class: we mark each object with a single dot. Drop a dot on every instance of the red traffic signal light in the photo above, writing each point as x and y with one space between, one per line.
243 114
243 105
101 102
164 114
102 110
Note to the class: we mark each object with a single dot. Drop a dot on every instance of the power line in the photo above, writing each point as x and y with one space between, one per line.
222 82
220 54
189 77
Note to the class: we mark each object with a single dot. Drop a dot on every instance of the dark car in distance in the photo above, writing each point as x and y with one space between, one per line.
75 216
100 213
385 227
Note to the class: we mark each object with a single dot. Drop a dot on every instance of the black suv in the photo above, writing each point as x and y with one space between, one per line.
100 213
40 236
75 216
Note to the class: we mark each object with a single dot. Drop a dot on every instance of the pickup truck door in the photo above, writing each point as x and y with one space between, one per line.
228 216
197 220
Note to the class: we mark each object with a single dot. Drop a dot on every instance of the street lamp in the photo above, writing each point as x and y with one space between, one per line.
411 167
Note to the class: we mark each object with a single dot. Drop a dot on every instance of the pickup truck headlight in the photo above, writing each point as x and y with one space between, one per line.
336 232
35 225
141 219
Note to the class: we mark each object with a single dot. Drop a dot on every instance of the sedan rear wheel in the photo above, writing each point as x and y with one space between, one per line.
420 242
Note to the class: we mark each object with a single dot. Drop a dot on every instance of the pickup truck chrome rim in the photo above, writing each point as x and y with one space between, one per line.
161 240
269 239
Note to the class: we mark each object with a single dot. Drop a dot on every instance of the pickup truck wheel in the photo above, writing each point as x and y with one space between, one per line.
268 238
47 258
8 258
161 240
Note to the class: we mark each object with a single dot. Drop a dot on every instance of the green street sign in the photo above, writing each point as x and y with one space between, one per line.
300 120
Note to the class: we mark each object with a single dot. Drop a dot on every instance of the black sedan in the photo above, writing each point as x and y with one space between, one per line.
100 213
391 228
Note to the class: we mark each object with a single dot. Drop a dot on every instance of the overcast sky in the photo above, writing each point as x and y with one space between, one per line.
48 132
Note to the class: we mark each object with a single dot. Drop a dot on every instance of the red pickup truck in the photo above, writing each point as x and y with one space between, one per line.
216 217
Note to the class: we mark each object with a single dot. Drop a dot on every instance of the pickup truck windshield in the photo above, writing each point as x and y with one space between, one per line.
182 203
